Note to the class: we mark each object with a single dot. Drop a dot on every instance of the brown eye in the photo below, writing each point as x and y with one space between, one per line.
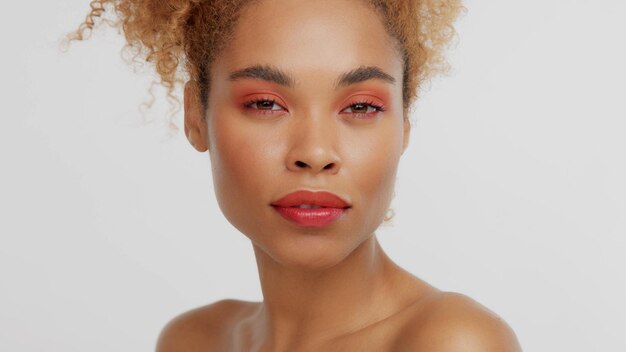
359 108
363 108
265 105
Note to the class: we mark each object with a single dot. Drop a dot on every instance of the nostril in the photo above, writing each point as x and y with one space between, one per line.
329 166
300 163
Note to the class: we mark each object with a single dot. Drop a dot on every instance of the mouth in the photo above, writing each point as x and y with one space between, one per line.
310 206
311 209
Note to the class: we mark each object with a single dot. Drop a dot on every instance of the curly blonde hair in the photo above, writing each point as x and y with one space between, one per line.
182 37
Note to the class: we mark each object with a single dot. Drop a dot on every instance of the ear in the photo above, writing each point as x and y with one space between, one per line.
406 134
195 123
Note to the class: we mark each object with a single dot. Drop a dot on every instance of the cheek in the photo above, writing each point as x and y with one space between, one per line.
379 174
373 170
242 163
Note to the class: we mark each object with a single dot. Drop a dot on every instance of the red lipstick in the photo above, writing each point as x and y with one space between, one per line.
311 209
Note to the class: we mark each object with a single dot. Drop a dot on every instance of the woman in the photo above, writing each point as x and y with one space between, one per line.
303 109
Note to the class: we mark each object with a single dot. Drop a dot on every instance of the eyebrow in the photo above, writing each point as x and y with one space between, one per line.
272 74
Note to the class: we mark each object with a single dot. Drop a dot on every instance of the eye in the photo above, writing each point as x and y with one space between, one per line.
263 105
364 109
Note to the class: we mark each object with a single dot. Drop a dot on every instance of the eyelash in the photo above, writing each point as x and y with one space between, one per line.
369 103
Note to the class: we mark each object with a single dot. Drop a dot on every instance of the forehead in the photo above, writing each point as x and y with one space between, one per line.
320 37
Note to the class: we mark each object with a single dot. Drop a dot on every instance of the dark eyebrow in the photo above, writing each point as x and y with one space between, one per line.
264 72
364 73
273 74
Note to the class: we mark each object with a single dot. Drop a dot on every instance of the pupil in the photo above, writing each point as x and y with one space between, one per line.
265 104
359 107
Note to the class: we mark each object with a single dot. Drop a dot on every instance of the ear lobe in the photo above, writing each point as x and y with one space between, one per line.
195 124
406 134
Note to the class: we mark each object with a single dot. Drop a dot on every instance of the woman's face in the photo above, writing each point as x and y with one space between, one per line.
289 110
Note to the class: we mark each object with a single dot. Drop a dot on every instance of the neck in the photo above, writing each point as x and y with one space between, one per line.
321 304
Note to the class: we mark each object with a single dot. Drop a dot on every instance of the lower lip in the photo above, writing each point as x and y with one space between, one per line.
316 217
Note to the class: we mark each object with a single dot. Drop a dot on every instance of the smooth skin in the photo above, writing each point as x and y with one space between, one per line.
330 288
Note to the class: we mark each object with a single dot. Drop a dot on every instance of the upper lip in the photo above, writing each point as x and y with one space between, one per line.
320 198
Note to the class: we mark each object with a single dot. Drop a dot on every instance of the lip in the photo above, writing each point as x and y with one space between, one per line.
332 208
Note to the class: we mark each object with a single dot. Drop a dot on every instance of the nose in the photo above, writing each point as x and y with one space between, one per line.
312 148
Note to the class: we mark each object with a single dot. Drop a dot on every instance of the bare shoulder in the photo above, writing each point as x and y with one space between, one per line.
203 328
450 322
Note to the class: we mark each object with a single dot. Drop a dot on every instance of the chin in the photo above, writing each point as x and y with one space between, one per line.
312 252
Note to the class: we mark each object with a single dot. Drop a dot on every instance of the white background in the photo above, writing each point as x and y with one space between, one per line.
512 190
